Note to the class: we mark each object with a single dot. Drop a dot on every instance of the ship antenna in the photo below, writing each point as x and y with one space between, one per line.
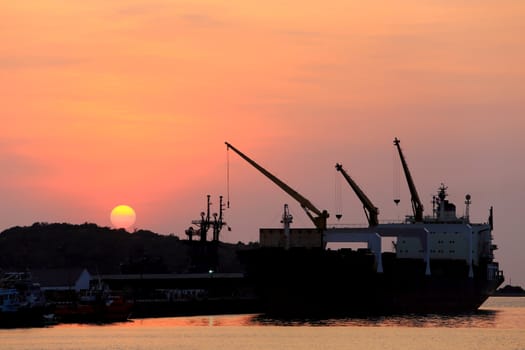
467 207
491 218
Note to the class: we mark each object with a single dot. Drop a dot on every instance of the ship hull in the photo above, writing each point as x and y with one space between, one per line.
23 317
96 312
310 282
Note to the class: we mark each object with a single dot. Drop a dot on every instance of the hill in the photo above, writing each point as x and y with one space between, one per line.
106 250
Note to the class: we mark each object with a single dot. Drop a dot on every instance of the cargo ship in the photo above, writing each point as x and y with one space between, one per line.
440 263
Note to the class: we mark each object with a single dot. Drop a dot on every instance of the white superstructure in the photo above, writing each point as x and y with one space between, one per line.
449 237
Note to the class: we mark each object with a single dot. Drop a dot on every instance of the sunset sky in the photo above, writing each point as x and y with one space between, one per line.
130 102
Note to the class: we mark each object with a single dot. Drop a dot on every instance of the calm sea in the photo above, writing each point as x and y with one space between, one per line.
500 324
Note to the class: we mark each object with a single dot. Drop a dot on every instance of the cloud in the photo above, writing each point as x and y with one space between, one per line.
23 62
163 15
201 20
15 167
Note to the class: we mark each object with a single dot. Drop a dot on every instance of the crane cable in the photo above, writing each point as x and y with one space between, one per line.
338 196
227 177
396 177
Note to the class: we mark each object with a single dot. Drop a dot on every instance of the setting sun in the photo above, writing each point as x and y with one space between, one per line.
123 216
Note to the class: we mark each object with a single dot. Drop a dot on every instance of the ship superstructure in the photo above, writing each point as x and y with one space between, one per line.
451 237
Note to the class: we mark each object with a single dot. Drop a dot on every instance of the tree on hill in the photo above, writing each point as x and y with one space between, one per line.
106 250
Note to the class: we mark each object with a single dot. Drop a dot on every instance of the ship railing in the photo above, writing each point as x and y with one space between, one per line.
364 224
343 225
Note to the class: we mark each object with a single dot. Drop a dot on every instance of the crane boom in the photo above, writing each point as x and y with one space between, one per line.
417 206
371 211
321 216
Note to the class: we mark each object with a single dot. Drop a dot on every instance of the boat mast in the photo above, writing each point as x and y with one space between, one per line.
417 206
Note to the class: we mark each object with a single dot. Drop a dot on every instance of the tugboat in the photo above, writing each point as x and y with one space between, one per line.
441 264
97 305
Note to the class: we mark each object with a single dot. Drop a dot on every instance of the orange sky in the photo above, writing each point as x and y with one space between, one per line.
130 102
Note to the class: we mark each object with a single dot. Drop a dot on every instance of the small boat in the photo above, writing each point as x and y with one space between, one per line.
94 306
21 301
15 312
9 300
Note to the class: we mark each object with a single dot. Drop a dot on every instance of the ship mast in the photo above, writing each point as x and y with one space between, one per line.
317 216
206 222
286 221
417 206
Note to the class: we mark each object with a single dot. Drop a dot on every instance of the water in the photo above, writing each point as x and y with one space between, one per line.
500 324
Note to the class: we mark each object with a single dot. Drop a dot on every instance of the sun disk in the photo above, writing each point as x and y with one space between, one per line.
123 216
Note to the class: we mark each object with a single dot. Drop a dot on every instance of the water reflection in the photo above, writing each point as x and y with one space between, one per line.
196 321
479 319
508 313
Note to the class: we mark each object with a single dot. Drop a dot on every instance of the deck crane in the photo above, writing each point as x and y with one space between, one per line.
417 206
371 211
317 216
